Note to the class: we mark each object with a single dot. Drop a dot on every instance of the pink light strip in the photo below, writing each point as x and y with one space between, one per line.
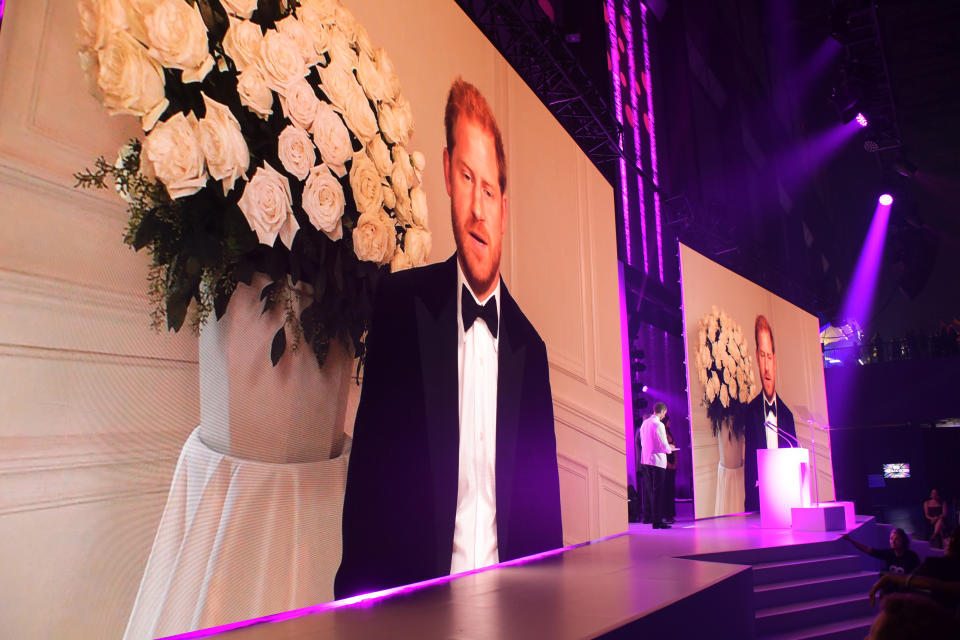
611 16
367 599
632 70
653 136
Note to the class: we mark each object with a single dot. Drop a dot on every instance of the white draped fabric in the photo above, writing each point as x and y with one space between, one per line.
240 539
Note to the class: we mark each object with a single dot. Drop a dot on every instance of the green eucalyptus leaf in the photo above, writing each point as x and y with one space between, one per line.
279 346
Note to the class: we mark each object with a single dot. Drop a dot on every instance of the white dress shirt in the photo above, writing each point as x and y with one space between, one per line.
771 418
653 443
475 529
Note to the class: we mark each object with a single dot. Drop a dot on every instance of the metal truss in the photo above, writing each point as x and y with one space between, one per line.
536 49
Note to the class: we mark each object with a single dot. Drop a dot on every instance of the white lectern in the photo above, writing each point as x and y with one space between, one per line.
785 479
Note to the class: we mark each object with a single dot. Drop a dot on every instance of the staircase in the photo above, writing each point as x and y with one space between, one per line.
817 590
812 593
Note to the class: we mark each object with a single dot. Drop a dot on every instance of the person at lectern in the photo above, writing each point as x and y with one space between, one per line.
768 422
653 459
454 461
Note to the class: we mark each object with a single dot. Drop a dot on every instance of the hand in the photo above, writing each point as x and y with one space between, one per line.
884 585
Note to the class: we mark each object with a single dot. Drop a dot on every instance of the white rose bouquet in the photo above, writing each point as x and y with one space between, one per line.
274 142
724 369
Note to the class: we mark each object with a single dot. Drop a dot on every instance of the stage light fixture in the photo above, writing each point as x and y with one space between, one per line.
861 119
871 145
886 199
644 389
905 168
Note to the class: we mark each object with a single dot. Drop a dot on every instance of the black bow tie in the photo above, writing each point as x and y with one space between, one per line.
769 407
472 311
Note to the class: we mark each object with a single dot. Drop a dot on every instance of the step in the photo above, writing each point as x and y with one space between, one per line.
781 593
855 629
768 555
811 613
771 572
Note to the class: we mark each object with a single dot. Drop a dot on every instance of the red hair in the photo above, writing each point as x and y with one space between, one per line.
465 100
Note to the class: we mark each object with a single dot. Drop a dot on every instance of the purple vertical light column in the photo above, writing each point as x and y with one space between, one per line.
653 137
864 282
618 110
627 24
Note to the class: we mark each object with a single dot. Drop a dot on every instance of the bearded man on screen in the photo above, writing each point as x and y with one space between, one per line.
768 421
454 461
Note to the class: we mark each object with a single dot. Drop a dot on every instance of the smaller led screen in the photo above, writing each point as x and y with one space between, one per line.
896 470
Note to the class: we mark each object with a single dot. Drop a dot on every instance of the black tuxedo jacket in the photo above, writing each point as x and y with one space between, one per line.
401 494
755 437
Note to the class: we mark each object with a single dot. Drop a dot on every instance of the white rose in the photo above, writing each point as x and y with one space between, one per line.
340 50
380 154
296 151
418 206
388 73
724 397
419 164
98 19
178 39
323 201
316 26
300 104
417 244
332 139
326 9
129 80
280 61
254 92
396 120
702 376
362 40
242 8
732 384
299 34
372 80
402 159
338 84
174 151
242 42
365 182
222 143
403 208
402 190
389 197
267 205
400 261
359 115
374 237
346 22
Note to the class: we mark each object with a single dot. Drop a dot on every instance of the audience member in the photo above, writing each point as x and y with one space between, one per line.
911 616
898 558
933 511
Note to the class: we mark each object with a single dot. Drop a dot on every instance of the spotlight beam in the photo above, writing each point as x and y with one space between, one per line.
864 283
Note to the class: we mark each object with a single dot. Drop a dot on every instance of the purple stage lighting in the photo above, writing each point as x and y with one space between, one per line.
864 282
861 120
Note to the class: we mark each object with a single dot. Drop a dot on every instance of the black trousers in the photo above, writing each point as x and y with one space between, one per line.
670 494
653 485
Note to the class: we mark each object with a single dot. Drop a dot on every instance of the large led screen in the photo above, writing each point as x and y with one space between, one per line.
755 380
323 158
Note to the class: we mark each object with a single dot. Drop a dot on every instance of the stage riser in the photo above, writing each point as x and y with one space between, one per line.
723 606
777 554
839 586
844 609
833 565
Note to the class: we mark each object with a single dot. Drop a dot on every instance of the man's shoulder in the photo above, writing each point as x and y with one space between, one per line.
521 329
430 281
783 408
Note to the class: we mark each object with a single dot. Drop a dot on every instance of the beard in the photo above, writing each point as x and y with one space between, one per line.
481 268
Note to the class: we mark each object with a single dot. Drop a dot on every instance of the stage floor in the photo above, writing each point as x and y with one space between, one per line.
591 590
